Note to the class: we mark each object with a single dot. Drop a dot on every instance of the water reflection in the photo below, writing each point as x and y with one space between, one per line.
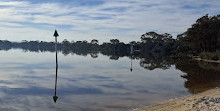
131 53
94 54
200 76
131 69
55 97
89 84
153 61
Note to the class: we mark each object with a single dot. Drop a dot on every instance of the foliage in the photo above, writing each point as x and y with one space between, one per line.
114 41
94 41
117 49
204 35
154 42
215 57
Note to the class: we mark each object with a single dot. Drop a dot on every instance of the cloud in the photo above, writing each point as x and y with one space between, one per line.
100 19
13 3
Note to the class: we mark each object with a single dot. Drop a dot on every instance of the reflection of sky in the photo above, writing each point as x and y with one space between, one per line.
27 83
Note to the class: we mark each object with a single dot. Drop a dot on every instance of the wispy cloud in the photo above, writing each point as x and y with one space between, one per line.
100 19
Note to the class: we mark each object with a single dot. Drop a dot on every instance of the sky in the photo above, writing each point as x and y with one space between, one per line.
103 20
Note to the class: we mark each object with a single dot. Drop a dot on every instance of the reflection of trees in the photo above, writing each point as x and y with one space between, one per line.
94 55
156 60
116 48
114 57
200 76
209 66
5 45
153 64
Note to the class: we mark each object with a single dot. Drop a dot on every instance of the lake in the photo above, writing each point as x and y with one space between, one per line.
96 82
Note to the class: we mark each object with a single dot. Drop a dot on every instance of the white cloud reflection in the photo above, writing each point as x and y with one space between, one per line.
84 84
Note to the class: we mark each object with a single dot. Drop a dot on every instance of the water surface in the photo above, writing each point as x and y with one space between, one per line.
96 83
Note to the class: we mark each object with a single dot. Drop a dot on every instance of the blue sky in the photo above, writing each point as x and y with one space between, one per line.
75 20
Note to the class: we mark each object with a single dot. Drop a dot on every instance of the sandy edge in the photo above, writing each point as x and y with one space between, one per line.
205 60
205 101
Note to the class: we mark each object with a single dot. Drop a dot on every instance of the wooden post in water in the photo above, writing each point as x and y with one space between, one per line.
55 97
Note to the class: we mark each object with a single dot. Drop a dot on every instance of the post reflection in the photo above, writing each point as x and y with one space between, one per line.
55 97
131 53
131 69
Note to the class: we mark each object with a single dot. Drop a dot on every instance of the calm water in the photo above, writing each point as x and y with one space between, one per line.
27 82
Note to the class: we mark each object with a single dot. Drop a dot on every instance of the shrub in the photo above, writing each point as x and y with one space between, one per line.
209 56
202 55
215 57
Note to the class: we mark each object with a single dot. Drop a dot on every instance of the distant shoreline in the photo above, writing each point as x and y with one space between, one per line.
206 60
205 101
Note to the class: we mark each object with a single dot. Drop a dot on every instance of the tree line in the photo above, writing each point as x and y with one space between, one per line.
202 36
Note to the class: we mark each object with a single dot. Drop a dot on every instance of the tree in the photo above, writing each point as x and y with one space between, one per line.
181 36
154 42
65 41
114 41
94 41
133 42
204 35
153 36
85 42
